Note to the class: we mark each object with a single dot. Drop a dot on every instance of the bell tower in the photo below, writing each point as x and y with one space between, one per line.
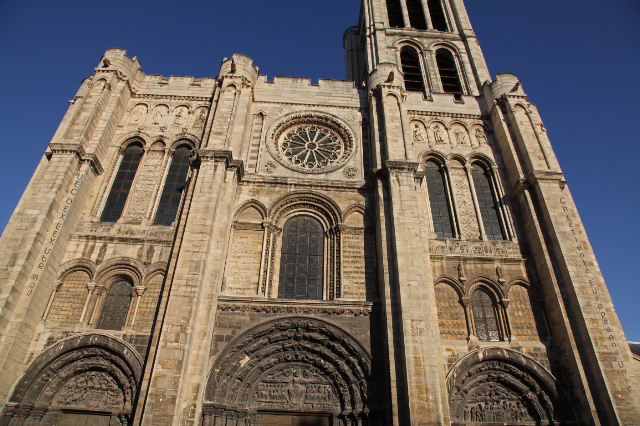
467 186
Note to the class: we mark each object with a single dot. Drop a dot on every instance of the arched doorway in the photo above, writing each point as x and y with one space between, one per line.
499 386
291 372
85 380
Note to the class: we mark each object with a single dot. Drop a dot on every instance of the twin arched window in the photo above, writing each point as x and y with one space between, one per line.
302 259
171 193
486 194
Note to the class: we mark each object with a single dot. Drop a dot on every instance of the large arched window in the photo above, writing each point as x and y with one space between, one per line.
485 316
411 69
416 14
394 11
448 73
302 259
438 200
173 187
122 184
438 18
116 306
487 202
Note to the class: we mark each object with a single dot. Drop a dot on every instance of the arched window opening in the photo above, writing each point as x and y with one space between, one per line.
411 70
173 187
302 259
485 316
416 14
448 73
122 184
438 18
394 11
487 203
116 306
438 200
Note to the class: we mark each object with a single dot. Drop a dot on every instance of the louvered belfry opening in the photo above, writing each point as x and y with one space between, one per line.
448 72
438 18
394 11
416 14
411 70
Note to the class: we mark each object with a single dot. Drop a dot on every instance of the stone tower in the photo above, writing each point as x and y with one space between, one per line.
400 248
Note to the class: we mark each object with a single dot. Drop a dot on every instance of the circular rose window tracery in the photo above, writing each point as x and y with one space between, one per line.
312 143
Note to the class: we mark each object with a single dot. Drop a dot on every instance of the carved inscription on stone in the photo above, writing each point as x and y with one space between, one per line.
93 389
358 269
244 261
147 181
467 212
296 387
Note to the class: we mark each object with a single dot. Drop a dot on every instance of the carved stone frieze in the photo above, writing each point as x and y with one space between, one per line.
492 249
122 231
292 307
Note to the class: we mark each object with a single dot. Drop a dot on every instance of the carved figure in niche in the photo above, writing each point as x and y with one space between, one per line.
180 117
499 272
101 253
438 133
480 136
139 112
461 136
418 133
201 118
158 116
461 273
150 252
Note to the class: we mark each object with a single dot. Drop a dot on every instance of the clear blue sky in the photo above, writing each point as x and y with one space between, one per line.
578 61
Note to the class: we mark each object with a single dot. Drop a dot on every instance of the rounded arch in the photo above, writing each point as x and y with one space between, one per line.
461 123
497 385
482 159
184 139
416 44
310 202
433 155
451 281
136 139
292 356
155 269
458 158
358 208
84 265
521 281
255 204
118 267
486 282
455 50
91 372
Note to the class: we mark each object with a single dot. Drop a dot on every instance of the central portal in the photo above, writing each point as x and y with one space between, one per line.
281 419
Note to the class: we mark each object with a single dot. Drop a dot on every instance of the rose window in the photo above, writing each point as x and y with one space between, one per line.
312 142
311 147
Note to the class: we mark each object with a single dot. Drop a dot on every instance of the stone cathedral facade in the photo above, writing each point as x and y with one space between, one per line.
399 248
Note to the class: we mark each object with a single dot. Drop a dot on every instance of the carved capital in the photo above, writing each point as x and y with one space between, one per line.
140 289
57 285
91 287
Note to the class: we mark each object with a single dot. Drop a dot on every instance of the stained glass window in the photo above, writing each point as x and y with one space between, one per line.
487 203
448 72
122 184
438 200
173 187
302 259
116 306
411 70
485 316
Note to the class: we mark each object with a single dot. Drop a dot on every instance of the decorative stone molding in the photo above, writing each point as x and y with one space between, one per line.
292 307
491 249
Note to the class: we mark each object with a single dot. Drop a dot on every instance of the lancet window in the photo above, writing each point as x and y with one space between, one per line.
487 202
448 70
411 69
394 12
416 14
438 18
485 316
122 184
174 186
439 200
302 259
116 306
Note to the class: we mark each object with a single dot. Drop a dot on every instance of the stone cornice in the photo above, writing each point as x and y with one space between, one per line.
75 148
447 114
221 155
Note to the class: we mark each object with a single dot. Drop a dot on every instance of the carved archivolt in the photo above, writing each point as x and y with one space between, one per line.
499 386
88 373
290 364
